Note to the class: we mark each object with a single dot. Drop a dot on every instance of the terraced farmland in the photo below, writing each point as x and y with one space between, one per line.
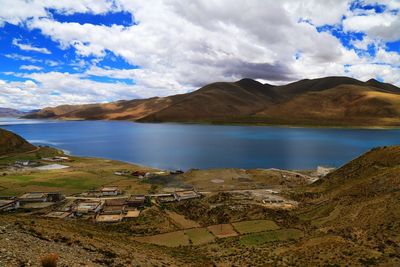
255 239
255 226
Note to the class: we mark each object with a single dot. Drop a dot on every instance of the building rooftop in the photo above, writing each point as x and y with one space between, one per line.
90 203
186 193
109 218
132 214
137 198
110 188
115 202
34 195
113 208
4 202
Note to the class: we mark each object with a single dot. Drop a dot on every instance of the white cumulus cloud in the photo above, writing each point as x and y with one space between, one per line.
28 47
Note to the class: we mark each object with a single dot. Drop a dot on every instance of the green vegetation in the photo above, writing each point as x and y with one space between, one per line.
199 236
255 226
83 174
173 239
222 230
316 212
332 216
255 239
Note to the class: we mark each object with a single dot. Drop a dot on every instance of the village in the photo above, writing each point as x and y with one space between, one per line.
110 203
107 204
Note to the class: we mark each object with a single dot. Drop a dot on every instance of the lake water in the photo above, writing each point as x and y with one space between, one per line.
184 146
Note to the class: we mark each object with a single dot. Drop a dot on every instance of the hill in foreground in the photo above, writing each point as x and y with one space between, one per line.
330 101
349 218
13 143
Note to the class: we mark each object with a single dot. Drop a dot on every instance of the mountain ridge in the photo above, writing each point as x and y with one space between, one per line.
10 112
329 101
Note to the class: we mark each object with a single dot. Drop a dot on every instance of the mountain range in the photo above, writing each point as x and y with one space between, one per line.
329 101
9 112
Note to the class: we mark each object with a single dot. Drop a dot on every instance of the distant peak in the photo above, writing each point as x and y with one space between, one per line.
373 81
246 82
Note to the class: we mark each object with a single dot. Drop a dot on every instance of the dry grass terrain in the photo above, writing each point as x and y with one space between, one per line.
255 226
330 101
12 143
222 230
182 221
351 217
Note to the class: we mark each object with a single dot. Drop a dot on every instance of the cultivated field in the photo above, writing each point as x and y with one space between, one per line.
255 226
270 236
173 239
182 221
222 230
199 236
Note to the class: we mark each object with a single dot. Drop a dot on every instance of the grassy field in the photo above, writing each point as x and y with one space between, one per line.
83 174
316 212
173 239
199 236
182 221
222 230
255 226
255 239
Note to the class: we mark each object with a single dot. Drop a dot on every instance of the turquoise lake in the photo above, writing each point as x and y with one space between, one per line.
184 146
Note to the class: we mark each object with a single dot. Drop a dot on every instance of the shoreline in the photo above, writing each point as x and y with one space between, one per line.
211 123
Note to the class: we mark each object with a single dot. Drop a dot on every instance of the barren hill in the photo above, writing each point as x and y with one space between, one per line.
361 200
12 143
9 112
330 101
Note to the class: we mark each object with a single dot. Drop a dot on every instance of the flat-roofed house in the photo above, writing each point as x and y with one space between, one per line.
41 197
166 198
86 207
55 196
110 191
26 163
33 197
136 201
186 194
9 204
59 214
132 214
109 218
113 210
114 206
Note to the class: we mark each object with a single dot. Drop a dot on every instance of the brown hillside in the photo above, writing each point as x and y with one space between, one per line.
330 101
218 100
12 143
311 85
373 174
360 203
340 105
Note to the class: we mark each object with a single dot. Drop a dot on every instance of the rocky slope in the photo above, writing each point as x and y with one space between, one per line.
12 143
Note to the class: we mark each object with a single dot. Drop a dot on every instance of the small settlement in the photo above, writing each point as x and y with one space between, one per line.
110 204
106 205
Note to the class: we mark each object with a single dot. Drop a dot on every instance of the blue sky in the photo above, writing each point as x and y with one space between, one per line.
70 52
